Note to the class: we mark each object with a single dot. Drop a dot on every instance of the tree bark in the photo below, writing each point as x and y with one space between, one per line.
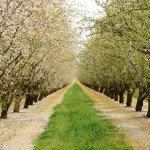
129 99
129 96
96 88
40 98
116 96
139 104
27 101
112 94
121 96
51 92
31 100
4 114
106 91
140 100
5 107
47 93
148 113
35 98
17 106
109 92
101 90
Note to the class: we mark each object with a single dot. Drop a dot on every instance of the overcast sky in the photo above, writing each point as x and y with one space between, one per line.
88 6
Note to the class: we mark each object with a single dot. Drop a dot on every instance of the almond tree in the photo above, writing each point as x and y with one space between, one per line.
118 51
35 50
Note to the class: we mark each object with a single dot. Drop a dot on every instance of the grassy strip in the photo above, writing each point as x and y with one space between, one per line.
75 125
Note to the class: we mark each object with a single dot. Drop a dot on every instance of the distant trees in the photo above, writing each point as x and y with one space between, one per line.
117 56
36 56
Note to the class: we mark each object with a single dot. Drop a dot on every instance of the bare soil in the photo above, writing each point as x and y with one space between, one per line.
19 131
132 123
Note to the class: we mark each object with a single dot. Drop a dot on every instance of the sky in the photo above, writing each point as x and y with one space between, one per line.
87 6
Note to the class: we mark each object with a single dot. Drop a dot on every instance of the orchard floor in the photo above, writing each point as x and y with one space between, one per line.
19 130
133 124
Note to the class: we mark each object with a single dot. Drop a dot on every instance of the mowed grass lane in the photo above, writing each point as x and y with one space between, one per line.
76 125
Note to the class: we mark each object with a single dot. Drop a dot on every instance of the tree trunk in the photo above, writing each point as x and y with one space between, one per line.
112 94
88 85
139 104
129 96
148 113
47 93
5 108
54 90
109 92
101 90
140 100
106 91
121 97
31 99
35 98
51 92
116 96
4 114
27 101
96 88
129 99
17 106
41 96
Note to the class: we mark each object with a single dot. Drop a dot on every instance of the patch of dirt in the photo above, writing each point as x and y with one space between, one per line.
132 123
20 129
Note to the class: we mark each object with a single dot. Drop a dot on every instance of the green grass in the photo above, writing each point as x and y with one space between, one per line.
75 125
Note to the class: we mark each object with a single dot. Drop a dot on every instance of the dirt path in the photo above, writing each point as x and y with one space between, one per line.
19 130
133 124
